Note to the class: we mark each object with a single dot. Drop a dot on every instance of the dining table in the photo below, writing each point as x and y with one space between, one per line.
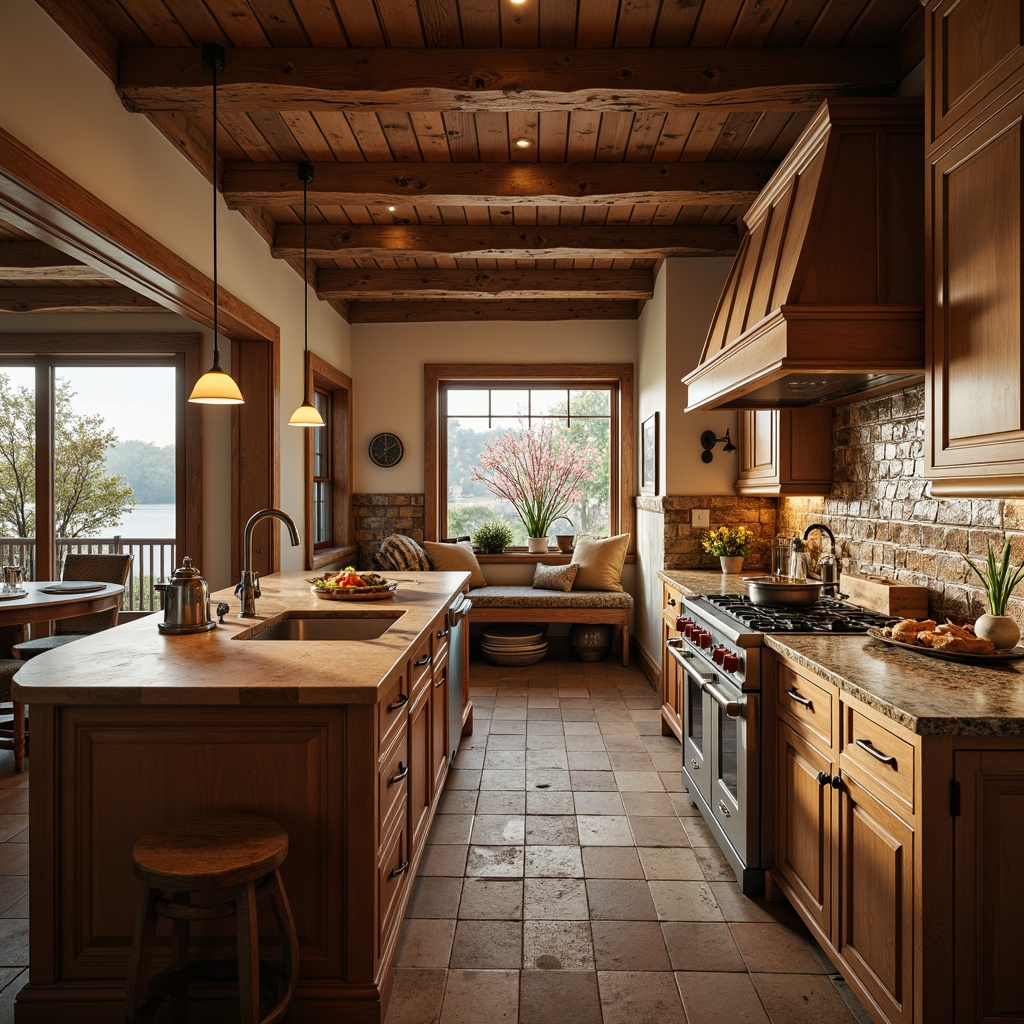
46 600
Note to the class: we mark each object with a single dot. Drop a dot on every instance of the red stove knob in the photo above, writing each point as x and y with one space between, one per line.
718 655
691 629
681 624
704 640
730 662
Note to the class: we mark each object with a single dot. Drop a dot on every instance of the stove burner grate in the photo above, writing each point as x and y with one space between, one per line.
827 615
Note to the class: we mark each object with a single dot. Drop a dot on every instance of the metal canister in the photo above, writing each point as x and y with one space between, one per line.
186 601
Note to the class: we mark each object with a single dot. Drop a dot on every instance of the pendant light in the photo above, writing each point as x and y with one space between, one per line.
306 415
215 387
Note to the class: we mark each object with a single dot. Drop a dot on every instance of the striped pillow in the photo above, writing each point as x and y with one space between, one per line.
399 553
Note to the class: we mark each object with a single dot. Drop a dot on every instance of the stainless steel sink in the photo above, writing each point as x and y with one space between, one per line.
335 627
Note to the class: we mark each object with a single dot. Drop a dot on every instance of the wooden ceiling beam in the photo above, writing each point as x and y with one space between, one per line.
498 309
282 79
494 184
588 285
535 242
58 299
22 260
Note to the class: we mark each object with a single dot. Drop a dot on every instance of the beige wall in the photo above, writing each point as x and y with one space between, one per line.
59 104
387 367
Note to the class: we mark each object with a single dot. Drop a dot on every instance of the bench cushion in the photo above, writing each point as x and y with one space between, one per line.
527 597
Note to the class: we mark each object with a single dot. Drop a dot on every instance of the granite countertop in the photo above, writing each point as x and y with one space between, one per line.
928 695
135 664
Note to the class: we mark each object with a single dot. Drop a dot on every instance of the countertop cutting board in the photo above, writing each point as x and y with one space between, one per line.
887 597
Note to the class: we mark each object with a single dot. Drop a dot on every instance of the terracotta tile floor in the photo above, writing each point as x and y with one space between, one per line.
569 880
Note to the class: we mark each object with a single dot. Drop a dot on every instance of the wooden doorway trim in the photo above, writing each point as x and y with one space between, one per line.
38 198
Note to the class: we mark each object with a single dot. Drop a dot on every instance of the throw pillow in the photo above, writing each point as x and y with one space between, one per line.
456 558
600 560
400 553
554 577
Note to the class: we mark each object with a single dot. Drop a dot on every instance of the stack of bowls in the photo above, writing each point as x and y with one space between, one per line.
514 644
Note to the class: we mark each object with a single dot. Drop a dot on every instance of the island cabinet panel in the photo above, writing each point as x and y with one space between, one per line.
420 767
974 398
439 728
988 896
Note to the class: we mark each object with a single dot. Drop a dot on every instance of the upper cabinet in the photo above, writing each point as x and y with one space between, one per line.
784 452
974 367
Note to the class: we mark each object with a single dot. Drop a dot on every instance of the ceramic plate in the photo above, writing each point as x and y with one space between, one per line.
356 593
13 596
72 587
1016 654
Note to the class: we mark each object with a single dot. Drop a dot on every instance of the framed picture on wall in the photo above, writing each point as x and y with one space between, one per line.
649 455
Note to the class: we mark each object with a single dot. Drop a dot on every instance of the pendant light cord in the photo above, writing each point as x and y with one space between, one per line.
212 55
306 174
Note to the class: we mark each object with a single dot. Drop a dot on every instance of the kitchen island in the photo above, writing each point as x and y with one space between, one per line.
343 742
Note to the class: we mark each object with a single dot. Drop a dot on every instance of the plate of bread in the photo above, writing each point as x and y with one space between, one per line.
945 640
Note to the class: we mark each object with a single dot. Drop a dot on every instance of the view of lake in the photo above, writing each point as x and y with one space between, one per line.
155 521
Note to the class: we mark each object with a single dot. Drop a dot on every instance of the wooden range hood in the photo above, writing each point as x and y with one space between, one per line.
825 300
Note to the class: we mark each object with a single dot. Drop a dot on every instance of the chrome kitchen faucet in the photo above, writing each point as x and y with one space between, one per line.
828 563
249 587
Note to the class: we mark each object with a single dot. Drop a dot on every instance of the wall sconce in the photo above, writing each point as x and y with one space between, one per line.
708 442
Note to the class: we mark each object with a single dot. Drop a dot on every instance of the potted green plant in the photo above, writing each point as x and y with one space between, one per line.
731 544
999 580
493 536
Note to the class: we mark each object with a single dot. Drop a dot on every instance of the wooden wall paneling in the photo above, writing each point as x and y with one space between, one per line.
255 473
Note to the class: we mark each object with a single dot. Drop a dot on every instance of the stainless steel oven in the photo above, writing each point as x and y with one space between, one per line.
725 677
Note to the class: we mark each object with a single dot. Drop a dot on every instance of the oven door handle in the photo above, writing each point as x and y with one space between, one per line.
732 708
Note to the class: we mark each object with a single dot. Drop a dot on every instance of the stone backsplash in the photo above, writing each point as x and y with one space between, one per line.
884 523
682 539
377 515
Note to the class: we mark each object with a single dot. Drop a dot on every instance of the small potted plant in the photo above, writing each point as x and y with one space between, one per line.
493 537
731 544
999 580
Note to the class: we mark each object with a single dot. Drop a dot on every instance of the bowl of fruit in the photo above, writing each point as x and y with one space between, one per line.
349 585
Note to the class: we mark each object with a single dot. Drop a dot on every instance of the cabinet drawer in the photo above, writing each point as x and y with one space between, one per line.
442 634
421 662
392 781
881 760
393 876
806 703
672 604
391 711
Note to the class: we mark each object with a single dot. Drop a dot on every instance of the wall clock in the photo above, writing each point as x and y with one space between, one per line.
386 449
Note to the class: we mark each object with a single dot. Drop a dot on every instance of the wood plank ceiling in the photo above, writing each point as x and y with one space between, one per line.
488 159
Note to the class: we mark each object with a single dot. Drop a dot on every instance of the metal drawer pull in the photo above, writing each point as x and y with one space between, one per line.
723 808
824 779
694 764
403 699
671 602
425 660
440 680
877 755
800 700
400 870
733 708
403 770
444 632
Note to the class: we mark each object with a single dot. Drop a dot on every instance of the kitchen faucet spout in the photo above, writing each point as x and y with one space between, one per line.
828 563
249 587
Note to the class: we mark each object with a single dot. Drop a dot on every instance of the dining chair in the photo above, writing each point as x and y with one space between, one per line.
101 569
12 724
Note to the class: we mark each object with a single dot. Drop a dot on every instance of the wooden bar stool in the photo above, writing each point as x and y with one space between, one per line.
238 852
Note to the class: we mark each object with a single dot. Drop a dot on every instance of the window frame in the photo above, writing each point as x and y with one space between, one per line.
322 376
617 376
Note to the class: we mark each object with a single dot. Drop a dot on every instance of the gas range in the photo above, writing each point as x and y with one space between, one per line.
826 615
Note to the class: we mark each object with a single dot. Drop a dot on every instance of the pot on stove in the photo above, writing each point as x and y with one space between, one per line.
771 590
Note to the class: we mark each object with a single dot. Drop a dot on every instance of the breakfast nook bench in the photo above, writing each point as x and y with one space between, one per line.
526 604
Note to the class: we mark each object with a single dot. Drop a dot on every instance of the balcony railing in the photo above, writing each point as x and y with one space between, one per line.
154 561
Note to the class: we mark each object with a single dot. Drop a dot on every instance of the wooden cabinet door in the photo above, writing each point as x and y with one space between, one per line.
874 928
787 451
439 727
974 376
420 769
803 825
671 689
988 898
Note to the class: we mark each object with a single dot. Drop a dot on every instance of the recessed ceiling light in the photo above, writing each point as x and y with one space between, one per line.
391 209
517 2
523 143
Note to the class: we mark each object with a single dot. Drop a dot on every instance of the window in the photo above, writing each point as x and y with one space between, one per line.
328 460
469 405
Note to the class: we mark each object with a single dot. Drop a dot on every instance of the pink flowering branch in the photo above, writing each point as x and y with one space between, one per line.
537 472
